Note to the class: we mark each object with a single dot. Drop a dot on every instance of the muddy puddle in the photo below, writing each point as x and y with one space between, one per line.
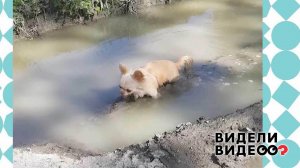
66 82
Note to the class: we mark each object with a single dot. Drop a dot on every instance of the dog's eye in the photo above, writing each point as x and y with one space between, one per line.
128 90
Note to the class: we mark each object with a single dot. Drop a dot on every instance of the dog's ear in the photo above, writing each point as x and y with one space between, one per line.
138 75
123 69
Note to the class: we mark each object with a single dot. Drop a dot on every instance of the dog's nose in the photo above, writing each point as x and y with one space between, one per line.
124 94
129 98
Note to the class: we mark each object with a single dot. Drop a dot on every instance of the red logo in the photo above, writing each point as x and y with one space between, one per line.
283 149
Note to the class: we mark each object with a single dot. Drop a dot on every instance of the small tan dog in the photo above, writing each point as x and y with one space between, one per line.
146 80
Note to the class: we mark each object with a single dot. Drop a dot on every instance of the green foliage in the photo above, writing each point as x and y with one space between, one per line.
75 8
69 8
29 10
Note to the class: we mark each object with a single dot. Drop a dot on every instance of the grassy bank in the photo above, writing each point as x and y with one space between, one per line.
31 17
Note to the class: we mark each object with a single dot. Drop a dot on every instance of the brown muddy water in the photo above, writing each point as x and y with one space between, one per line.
67 81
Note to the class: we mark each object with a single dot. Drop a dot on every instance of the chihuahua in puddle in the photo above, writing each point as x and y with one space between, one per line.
146 80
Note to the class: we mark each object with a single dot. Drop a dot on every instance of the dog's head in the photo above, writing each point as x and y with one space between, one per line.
132 83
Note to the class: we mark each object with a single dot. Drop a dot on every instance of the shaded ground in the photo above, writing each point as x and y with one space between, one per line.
189 145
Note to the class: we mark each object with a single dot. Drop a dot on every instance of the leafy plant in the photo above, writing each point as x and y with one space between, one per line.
30 10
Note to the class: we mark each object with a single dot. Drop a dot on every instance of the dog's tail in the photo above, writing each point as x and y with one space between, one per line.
184 62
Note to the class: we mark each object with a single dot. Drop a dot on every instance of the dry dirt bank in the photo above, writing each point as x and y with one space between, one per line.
190 145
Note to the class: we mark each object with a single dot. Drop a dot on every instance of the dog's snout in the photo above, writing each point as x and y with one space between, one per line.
127 96
124 94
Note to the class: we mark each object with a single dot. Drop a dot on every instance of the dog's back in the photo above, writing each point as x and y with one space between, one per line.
164 71
167 71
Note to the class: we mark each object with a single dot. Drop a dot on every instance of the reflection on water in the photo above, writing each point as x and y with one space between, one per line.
66 98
